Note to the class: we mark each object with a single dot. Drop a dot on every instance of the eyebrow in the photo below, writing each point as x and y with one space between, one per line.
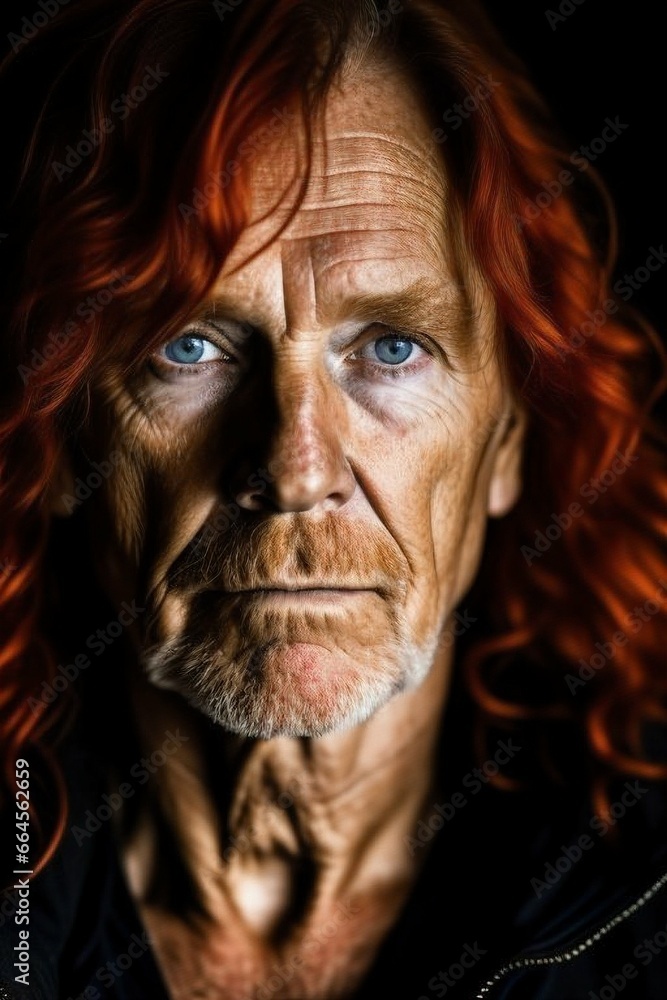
440 310
443 311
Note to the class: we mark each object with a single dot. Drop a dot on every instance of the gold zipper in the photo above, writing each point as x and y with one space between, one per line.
560 957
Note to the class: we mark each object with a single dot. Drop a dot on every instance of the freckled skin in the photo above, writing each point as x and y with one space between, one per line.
378 479
381 457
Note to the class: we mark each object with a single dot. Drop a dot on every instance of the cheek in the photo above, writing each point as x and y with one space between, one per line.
458 523
458 515
156 498
432 483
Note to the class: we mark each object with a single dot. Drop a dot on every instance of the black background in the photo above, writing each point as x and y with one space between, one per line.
600 62
605 60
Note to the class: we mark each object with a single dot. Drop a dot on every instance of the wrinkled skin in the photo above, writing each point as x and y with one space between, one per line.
364 446
369 474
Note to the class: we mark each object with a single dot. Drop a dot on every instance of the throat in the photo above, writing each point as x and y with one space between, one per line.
263 894
326 956
289 853
312 931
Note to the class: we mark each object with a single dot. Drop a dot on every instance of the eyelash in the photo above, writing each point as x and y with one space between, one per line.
385 371
399 371
192 369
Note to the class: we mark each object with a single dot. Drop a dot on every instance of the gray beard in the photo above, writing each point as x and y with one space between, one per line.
245 693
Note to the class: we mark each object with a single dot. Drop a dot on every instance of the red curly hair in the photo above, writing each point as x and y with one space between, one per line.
162 197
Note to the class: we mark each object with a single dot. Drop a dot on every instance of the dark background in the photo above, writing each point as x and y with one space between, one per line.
601 62
597 63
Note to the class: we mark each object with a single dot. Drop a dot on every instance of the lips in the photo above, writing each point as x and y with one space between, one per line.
295 596
302 588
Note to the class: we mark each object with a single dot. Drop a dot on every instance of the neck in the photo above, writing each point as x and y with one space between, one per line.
270 830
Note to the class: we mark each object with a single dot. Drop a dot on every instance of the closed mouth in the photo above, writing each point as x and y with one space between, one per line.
315 589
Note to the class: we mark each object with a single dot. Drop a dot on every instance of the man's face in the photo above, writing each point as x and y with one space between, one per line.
307 470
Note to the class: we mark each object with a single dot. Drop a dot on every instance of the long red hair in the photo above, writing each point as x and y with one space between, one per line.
161 198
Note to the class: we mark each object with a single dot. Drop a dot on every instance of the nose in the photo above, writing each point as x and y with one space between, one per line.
305 465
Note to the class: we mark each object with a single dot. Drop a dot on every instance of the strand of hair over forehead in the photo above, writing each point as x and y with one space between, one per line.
122 210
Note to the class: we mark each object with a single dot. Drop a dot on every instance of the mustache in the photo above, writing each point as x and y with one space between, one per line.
290 550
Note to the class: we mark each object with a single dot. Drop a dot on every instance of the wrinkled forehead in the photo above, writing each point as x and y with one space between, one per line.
377 185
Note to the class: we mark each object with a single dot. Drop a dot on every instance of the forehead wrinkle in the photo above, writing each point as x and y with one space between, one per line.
348 181
394 228
338 164
318 274
400 152
338 215
409 132
346 224
373 198
380 175
374 240
415 210
397 161
404 250
398 145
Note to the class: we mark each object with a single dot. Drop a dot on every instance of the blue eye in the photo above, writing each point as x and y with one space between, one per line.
393 350
190 350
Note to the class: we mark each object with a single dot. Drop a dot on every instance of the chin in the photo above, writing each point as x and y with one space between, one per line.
307 681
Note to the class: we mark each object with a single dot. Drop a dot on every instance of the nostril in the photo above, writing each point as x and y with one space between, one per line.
306 465
251 494
292 484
